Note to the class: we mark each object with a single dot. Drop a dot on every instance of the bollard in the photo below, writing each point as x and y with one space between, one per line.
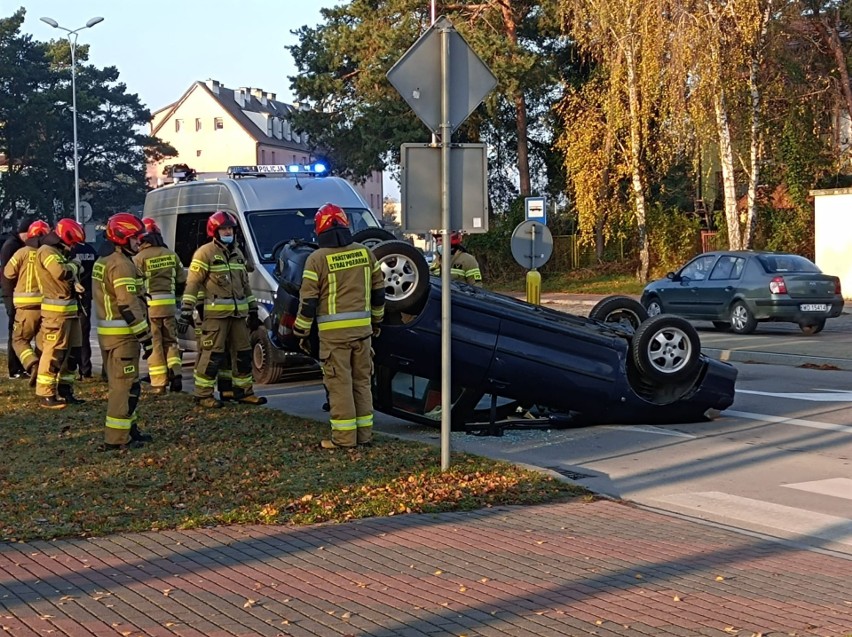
534 287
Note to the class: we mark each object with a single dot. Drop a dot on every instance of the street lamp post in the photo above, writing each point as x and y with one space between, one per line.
73 44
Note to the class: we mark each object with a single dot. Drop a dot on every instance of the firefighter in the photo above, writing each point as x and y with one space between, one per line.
21 272
343 290
164 278
463 265
86 255
60 333
218 269
122 326
10 246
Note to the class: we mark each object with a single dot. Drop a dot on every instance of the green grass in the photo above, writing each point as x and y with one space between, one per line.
237 465
601 280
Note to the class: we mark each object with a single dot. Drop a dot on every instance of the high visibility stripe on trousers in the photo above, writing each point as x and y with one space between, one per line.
363 422
344 425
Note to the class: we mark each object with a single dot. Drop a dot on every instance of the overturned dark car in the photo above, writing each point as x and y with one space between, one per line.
510 357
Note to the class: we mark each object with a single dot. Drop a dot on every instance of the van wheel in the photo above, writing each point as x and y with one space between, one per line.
264 368
371 237
406 275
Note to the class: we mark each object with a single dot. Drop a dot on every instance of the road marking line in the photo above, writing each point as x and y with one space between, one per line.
813 424
766 514
652 429
835 487
833 396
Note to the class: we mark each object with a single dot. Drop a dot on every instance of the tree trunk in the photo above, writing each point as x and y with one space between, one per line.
754 174
510 24
726 157
600 224
636 164
832 39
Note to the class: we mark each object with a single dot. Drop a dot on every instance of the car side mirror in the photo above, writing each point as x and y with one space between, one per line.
671 276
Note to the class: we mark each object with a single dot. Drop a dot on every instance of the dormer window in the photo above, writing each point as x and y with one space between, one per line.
218 124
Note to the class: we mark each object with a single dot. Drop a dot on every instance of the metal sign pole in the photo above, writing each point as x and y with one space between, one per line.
446 256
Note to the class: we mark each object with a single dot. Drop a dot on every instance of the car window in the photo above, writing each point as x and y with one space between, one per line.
271 227
776 263
728 267
698 268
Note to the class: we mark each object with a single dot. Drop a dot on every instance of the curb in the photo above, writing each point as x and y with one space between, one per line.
769 358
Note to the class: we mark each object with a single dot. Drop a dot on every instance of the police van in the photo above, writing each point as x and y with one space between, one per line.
273 204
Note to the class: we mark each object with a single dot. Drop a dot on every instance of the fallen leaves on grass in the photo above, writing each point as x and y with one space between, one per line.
237 465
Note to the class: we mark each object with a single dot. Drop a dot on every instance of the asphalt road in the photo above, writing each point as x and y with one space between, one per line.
778 462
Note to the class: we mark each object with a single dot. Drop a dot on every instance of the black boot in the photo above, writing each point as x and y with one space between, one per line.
66 394
176 384
138 436
133 444
32 370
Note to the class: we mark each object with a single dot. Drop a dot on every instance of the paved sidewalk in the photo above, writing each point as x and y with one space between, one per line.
599 568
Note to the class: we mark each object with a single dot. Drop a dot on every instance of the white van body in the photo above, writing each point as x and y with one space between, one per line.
270 210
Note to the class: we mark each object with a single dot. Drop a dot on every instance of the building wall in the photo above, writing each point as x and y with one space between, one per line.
208 149
833 234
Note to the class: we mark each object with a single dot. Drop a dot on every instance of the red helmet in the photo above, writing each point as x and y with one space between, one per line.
121 227
220 219
151 226
70 232
330 216
455 238
37 228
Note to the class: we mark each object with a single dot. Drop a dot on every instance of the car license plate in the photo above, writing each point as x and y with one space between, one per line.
813 307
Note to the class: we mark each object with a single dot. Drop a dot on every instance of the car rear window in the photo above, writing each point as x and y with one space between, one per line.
774 263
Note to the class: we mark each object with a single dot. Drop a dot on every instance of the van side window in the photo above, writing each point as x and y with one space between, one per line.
190 234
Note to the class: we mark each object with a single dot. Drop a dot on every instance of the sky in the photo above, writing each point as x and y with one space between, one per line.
161 48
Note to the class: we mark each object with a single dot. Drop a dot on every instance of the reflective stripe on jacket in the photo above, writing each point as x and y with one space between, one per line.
219 276
120 312
342 281
56 277
21 269
162 272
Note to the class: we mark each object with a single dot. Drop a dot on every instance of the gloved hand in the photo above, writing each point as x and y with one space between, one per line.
376 331
253 321
185 320
305 346
147 348
300 334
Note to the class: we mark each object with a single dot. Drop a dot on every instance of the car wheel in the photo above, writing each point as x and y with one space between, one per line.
809 329
742 320
371 237
264 369
654 307
406 275
722 326
666 348
619 309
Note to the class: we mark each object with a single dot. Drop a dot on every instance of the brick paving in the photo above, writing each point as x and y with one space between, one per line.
578 568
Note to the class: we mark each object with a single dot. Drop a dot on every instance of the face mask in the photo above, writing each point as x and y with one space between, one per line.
439 250
227 240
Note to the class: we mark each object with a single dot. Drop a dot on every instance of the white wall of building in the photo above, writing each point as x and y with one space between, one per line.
833 234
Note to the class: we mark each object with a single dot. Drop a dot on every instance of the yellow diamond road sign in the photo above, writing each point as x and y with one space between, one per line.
417 77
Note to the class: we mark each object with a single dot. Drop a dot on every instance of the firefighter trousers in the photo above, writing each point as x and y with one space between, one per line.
122 365
224 344
166 355
61 340
347 370
25 331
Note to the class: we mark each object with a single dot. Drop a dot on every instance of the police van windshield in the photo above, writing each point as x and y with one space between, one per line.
270 228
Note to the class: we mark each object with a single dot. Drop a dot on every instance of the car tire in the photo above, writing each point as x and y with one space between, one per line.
654 307
666 348
371 237
406 275
742 320
619 309
809 329
264 369
722 326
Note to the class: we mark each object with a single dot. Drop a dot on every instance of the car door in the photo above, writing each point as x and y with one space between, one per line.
685 297
721 286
